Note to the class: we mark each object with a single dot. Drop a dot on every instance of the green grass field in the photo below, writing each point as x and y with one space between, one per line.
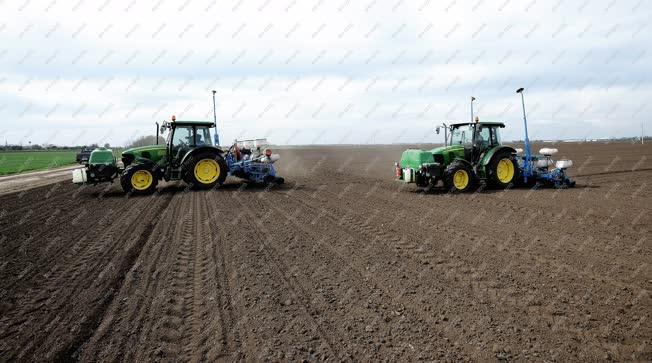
12 162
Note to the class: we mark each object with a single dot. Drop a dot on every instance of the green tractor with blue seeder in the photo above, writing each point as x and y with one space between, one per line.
473 154
189 154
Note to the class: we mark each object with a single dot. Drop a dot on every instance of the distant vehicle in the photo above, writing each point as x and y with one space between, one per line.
84 155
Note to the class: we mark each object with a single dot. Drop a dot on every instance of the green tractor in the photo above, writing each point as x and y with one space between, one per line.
473 153
188 155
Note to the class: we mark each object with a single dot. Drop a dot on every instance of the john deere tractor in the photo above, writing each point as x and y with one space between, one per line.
472 153
188 155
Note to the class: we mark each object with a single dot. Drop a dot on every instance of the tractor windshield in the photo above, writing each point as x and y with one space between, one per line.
462 135
191 136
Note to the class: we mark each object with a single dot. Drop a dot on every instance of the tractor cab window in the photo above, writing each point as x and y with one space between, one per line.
182 137
495 136
482 136
462 135
203 136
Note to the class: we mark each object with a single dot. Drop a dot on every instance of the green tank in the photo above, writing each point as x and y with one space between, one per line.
101 167
101 156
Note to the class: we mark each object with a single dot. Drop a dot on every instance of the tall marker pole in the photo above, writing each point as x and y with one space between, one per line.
217 136
528 154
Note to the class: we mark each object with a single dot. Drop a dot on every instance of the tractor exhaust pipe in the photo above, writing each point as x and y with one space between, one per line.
528 154
156 132
472 99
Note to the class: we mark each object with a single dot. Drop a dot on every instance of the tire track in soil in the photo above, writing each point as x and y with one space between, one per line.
40 256
348 265
161 327
134 306
230 345
196 338
462 202
184 311
488 231
89 282
34 209
264 323
349 254
412 247
298 291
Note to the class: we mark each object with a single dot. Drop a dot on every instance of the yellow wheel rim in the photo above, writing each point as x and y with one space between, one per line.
505 171
141 180
207 171
461 179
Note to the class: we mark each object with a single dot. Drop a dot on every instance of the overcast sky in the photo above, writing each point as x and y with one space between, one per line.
317 71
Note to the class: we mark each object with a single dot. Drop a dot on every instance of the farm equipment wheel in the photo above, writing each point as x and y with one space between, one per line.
502 170
138 179
459 177
204 170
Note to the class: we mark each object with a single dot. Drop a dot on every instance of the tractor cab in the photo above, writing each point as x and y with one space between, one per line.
184 136
476 138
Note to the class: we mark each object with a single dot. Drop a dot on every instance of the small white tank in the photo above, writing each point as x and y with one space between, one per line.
548 151
564 164
79 176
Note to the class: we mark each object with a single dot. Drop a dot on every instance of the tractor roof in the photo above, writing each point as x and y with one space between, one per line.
192 123
487 123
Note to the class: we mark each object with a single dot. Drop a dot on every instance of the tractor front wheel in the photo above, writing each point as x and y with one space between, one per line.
204 170
138 179
459 177
502 170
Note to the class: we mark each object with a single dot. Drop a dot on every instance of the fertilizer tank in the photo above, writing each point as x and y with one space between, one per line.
101 167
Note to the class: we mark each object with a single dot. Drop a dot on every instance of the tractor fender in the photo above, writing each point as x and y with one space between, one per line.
463 161
486 159
199 150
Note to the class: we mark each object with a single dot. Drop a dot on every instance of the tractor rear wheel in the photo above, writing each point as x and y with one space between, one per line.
459 177
138 179
204 170
502 170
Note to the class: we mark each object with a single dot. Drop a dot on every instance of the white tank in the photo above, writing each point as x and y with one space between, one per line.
79 176
548 151
542 163
564 164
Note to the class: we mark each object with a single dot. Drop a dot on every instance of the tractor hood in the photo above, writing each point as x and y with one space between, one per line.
140 149
414 158
151 152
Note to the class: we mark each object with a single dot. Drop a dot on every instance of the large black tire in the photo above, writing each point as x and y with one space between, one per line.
502 170
459 177
139 179
204 170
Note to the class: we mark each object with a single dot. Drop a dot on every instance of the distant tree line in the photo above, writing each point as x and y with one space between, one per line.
39 147
139 141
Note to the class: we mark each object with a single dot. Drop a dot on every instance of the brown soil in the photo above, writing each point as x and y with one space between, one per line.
341 263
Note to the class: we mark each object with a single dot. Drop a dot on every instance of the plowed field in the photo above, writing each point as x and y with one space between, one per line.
340 263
